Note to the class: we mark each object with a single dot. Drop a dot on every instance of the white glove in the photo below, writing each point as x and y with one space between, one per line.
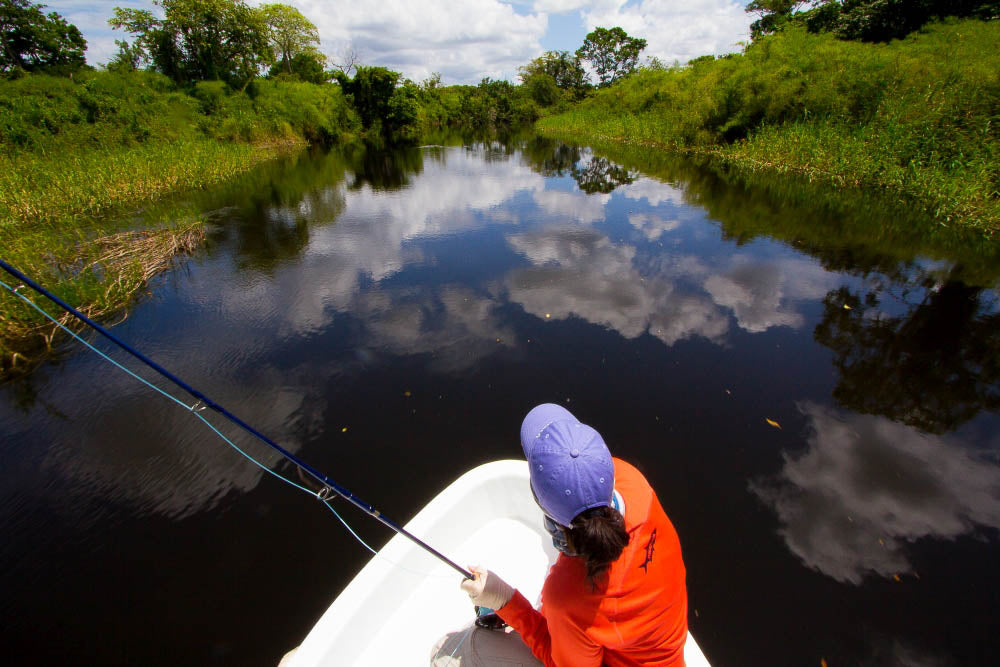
487 589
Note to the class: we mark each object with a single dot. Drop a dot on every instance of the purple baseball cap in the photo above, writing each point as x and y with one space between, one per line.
571 467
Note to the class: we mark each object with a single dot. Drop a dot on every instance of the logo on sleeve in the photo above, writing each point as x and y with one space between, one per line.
650 547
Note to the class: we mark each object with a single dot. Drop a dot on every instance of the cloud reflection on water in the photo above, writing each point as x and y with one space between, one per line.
761 294
653 191
581 272
652 226
456 325
347 269
168 463
868 487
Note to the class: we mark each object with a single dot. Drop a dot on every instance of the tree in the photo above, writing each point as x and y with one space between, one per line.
200 40
381 102
128 58
404 112
291 33
33 41
612 53
348 59
863 20
882 20
774 15
369 91
565 70
308 65
433 82
543 89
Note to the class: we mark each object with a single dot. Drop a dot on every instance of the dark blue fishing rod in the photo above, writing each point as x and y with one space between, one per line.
330 486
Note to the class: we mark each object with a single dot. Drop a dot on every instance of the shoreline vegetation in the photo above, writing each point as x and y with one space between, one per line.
198 96
917 118
85 153
79 157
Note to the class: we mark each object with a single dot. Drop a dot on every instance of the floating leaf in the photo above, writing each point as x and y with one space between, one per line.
773 423
822 662
343 430
896 577
846 307
407 394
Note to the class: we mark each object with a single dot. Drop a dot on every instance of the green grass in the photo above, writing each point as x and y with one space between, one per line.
40 190
918 118
78 159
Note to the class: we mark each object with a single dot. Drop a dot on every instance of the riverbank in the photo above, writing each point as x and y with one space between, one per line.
915 119
77 158
65 223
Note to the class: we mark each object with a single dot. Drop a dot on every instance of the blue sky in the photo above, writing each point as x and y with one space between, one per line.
466 40
566 32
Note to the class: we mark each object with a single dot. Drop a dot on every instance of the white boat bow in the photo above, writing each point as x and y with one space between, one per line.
404 602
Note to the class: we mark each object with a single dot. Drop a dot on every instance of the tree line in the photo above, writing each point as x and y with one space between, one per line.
863 20
195 41
235 43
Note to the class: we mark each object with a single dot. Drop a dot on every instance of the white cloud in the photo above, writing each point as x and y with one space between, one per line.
468 40
563 6
464 41
676 29
91 18
867 487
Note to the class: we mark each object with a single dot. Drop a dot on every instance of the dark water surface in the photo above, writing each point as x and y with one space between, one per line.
391 317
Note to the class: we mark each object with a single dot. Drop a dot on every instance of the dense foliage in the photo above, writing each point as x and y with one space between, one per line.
199 40
917 116
863 20
558 70
33 41
496 102
291 35
611 52
110 109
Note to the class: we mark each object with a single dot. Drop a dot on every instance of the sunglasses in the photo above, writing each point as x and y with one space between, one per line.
555 530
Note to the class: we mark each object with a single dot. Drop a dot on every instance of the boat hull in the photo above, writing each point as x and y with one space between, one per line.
404 604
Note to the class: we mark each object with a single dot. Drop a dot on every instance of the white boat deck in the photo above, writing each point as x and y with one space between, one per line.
405 605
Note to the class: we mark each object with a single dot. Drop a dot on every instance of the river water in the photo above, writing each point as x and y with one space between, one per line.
811 386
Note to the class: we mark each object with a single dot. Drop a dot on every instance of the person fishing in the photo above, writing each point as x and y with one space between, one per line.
616 594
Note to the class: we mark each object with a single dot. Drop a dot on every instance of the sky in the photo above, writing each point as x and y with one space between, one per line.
466 40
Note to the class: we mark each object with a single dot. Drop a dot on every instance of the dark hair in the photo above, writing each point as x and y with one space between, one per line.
598 536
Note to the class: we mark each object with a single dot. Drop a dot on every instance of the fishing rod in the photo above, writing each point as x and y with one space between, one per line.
330 487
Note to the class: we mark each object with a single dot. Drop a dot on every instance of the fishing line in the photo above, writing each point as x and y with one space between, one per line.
194 410
330 488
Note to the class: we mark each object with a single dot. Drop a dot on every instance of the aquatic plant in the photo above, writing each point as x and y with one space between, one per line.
102 276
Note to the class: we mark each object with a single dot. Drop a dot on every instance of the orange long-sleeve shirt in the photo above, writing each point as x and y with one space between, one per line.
638 613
